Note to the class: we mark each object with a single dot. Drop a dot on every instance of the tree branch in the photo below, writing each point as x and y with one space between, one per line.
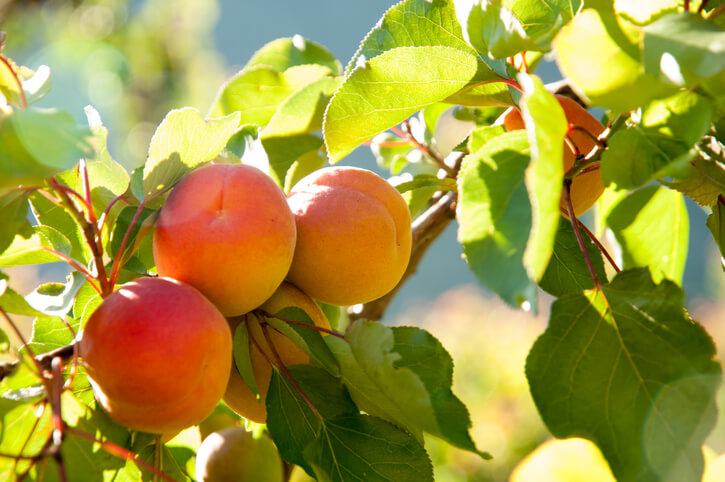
426 229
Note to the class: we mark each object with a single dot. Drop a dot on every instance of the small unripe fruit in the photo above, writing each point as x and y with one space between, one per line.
353 236
238 395
585 188
234 455
158 354
226 229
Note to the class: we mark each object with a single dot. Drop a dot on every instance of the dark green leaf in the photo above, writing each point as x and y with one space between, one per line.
546 126
182 141
567 271
283 53
139 241
627 368
389 88
413 23
653 228
683 48
32 250
366 448
242 358
50 214
13 216
494 217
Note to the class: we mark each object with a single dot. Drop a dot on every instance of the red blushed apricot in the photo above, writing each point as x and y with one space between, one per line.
238 395
226 229
585 188
353 235
158 354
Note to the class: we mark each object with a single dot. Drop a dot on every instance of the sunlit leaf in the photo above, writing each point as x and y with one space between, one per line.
283 53
303 110
33 250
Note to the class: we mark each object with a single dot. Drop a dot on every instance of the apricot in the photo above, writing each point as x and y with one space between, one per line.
226 229
239 396
157 353
587 187
353 236
233 455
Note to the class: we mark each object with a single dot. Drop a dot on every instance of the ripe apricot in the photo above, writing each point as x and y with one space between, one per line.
587 187
158 354
239 396
353 235
226 229
234 454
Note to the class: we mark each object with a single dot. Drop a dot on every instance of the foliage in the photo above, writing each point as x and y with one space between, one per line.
621 363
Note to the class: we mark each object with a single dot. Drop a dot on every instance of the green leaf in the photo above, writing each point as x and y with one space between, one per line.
139 241
427 180
336 442
303 110
290 421
594 50
38 85
283 53
367 448
715 223
388 89
481 135
182 141
705 183
86 302
13 216
542 20
391 152
50 214
494 30
49 333
403 375
546 126
247 146
304 165
567 271
284 151
242 358
12 302
631 159
309 340
627 368
255 92
683 48
20 424
494 217
652 226
31 251
412 23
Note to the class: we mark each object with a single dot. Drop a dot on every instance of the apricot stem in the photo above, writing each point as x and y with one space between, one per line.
599 245
286 372
595 154
74 264
600 142
116 266
578 234
425 149
267 314
703 4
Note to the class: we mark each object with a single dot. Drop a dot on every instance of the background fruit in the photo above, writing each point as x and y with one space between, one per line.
226 229
158 355
235 455
585 188
238 395
353 235
568 460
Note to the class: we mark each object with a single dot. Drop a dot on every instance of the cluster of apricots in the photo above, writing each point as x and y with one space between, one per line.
231 248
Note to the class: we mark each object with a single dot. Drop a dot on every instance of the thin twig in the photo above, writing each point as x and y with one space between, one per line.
116 266
703 4
74 264
595 154
267 314
578 234
44 359
599 245
406 132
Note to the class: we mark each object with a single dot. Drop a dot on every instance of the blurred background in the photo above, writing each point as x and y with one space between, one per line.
134 60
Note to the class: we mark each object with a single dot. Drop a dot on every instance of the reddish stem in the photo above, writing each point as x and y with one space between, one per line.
106 211
599 245
303 324
23 99
74 264
116 266
687 5
578 234
87 191
703 4
407 134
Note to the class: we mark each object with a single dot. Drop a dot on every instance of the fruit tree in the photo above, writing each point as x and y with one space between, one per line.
233 287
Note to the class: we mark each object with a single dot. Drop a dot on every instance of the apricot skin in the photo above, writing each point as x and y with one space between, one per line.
226 229
158 355
239 396
585 188
353 236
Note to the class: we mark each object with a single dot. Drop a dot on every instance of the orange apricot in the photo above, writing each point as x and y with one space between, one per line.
353 236
239 396
157 353
226 229
587 187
